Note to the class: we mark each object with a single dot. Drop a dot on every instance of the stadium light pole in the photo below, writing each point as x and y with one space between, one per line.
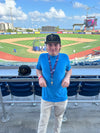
87 11
32 24
36 27
11 17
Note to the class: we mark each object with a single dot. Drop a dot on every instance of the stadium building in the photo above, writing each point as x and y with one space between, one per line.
48 29
6 26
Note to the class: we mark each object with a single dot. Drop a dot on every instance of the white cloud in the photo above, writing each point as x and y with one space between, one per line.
52 13
43 19
79 5
35 16
81 18
77 17
10 7
55 13
10 3
95 14
69 17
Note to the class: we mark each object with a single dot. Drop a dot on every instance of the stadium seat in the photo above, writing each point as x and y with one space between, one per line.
87 63
89 76
72 89
37 89
4 89
95 63
21 89
81 63
90 89
75 76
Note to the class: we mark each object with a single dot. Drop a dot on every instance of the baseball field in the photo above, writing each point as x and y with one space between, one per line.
19 47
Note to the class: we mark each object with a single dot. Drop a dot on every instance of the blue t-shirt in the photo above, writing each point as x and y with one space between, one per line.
55 92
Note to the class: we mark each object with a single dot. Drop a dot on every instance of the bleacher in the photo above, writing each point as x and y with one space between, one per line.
86 86
87 63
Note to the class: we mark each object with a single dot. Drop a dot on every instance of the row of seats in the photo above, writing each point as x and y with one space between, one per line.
93 63
23 89
84 88
19 89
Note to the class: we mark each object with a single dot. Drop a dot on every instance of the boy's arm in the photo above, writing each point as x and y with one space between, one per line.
68 74
66 80
39 73
42 81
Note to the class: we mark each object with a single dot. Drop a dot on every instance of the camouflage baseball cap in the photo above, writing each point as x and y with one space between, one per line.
52 38
24 70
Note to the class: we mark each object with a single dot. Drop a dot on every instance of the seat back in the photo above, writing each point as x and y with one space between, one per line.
37 89
21 89
4 89
90 88
72 89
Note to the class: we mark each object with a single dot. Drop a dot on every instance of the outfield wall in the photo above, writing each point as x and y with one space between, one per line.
59 32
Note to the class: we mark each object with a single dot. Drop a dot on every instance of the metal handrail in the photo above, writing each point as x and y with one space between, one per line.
32 79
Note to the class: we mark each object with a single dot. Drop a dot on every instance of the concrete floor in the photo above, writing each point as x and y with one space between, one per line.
24 118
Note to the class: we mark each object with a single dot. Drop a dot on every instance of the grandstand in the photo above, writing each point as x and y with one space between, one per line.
90 60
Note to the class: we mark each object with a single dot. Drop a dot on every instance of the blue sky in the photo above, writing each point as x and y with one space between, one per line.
37 13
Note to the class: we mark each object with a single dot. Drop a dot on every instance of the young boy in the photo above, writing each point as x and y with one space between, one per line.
51 71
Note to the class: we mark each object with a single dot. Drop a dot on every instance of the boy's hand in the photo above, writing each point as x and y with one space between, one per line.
42 82
65 82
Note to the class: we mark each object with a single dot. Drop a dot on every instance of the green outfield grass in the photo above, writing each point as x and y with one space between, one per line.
80 47
22 52
30 43
2 61
44 35
81 36
37 43
21 36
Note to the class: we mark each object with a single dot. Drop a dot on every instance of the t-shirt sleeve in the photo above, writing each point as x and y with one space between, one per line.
68 66
38 66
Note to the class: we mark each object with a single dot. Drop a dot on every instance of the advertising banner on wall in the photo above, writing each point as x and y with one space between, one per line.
96 33
37 32
42 32
13 33
24 32
1 33
81 32
19 32
88 33
30 32
8 33
59 32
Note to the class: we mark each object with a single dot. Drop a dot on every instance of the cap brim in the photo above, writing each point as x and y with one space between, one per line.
53 42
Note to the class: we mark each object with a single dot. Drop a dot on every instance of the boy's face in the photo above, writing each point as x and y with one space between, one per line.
53 48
